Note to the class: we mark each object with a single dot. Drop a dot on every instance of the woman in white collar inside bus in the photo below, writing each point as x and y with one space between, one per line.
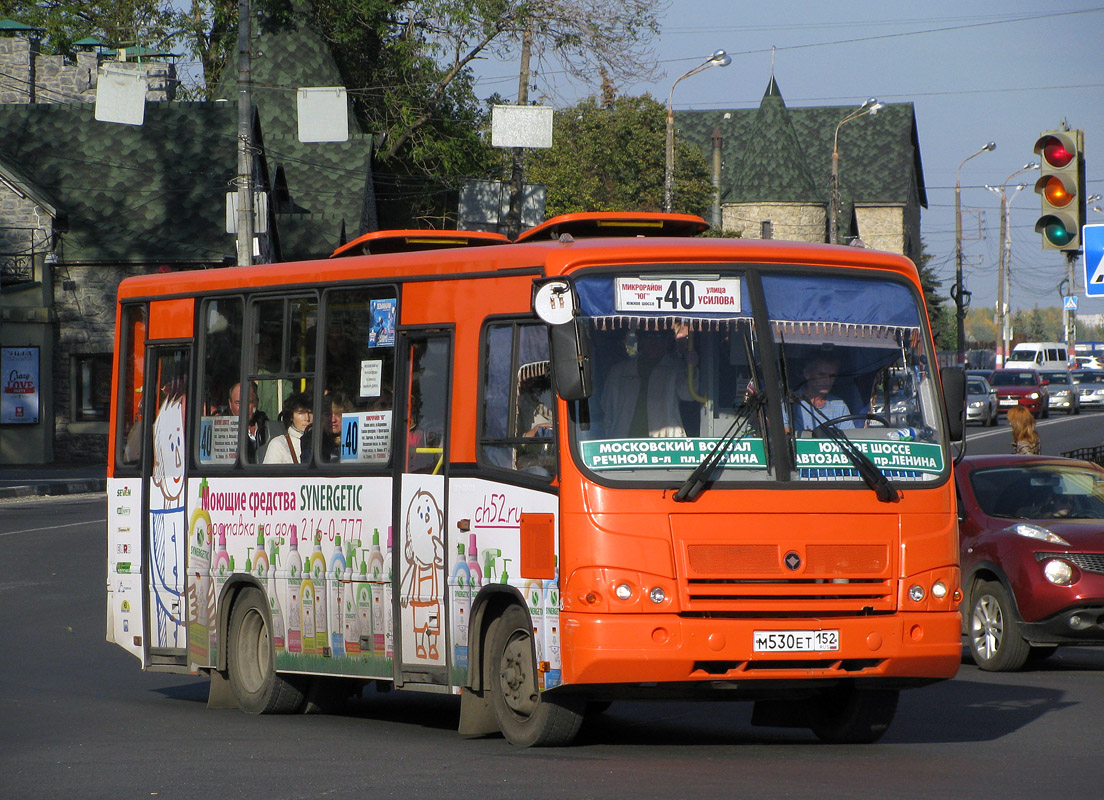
296 417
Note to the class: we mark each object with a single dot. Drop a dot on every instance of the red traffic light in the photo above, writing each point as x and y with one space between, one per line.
1054 151
1054 191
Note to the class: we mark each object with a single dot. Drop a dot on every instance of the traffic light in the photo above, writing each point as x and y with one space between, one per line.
1061 178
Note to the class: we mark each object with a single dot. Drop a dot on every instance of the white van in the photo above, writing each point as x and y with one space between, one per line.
1038 355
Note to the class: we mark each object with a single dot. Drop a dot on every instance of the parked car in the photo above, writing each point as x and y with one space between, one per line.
981 401
1090 386
1064 395
1023 387
1031 534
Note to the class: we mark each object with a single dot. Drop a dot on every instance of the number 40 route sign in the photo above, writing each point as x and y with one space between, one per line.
1092 240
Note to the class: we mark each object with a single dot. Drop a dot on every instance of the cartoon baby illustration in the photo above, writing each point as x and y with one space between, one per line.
167 523
423 551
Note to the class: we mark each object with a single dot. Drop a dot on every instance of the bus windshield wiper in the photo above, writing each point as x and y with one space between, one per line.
867 469
740 426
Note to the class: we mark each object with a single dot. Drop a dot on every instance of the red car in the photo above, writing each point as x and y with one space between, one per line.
1032 554
1021 387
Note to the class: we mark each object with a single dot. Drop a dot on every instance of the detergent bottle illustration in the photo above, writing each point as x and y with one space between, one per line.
293 568
490 555
473 567
351 619
278 641
201 592
534 599
376 575
364 605
460 584
317 573
334 600
220 565
306 615
388 599
551 621
261 562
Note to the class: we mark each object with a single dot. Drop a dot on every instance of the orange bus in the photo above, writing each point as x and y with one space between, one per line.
608 460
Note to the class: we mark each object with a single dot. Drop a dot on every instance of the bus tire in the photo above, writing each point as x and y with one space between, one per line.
251 661
850 715
996 644
526 717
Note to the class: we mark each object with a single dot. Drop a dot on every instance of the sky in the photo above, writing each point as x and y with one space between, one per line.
992 70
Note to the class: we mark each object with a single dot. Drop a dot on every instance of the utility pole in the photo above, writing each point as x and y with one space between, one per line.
245 140
718 141
517 175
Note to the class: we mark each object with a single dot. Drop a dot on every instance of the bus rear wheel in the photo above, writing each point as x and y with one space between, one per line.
251 660
849 715
525 716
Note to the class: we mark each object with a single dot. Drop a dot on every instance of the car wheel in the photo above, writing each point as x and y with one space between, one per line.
1046 410
994 416
526 716
1077 407
995 641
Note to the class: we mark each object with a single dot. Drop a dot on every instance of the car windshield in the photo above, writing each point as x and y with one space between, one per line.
1012 377
1056 377
976 387
1040 491
1092 377
680 364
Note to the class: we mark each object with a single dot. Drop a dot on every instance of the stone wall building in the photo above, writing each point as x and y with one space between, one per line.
776 172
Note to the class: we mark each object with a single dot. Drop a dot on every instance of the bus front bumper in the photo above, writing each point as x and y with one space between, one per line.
642 648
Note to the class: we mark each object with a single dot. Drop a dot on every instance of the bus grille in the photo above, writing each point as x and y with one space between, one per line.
755 578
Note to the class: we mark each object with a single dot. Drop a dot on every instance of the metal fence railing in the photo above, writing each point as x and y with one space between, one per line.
1093 454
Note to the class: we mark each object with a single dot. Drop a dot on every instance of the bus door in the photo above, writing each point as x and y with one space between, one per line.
421 511
164 530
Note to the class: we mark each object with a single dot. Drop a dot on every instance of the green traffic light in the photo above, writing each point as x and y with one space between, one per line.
1057 234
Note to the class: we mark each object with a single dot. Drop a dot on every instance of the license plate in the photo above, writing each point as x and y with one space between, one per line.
795 641
1009 402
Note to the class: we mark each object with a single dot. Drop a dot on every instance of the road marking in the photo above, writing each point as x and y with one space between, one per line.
54 527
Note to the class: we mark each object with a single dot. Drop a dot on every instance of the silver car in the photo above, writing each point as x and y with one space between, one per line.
981 401
1063 391
1090 383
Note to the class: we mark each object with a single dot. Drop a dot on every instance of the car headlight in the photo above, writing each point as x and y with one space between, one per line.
1058 572
1036 532
1062 393
976 404
1033 396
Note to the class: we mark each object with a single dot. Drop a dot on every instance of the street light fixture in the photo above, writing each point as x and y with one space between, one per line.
719 59
1004 268
871 107
960 297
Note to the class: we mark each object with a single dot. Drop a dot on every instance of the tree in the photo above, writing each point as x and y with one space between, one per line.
116 22
609 156
941 315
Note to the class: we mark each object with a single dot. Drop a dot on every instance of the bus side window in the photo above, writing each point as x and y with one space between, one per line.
358 369
132 352
220 388
518 411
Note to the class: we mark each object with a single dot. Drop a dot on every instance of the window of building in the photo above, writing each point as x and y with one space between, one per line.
91 387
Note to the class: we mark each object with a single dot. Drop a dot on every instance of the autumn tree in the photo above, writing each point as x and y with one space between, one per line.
609 156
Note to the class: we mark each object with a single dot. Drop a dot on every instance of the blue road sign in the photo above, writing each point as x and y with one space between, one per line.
1069 303
1092 240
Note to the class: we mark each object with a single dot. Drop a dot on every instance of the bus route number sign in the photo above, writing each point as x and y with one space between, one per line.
720 295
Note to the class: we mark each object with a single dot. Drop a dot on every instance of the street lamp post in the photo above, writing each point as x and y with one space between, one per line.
1004 285
871 107
719 59
958 292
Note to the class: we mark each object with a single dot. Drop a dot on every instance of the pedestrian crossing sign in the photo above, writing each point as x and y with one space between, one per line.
1070 303
1092 240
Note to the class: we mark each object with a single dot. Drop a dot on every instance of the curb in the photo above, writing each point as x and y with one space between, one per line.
55 488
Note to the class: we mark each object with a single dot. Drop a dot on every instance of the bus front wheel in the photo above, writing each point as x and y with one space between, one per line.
525 716
849 715
251 661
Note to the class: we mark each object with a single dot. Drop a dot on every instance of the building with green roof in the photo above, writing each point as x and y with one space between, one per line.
776 171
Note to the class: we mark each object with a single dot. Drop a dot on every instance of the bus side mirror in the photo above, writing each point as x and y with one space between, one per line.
954 401
572 373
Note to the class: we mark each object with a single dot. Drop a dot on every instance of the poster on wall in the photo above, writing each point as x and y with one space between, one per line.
19 385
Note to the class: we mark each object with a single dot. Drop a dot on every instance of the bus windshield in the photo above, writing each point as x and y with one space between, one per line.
829 365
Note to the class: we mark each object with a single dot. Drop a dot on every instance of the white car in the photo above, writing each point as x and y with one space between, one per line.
1089 362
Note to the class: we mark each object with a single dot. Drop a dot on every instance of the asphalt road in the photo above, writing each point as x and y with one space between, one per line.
1059 434
78 718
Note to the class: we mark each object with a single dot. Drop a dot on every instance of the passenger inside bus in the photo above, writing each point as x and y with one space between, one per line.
296 416
658 362
257 432
817 401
